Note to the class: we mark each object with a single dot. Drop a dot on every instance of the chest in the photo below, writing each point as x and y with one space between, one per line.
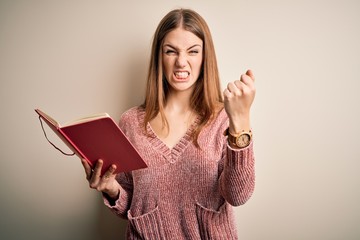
191 172
172 131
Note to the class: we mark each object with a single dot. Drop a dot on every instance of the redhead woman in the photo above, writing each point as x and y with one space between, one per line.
195 138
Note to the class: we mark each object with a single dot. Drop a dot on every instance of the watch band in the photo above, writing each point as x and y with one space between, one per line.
240 140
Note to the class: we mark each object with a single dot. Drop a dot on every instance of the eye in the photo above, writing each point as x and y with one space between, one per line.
193 52
169 52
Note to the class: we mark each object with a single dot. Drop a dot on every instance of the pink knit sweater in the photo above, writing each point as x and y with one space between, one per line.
186 192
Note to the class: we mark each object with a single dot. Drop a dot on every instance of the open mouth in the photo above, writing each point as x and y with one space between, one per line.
181 75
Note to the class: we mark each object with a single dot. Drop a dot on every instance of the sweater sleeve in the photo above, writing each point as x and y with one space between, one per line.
121 206
237 179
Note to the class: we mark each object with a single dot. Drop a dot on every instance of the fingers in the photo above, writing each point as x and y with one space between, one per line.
107 183
239 95
234 87
238 87
97 169
102 183
95 175
110 172
248 79
250 74
108 176
87 168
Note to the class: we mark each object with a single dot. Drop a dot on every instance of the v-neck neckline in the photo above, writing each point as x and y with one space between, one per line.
171 154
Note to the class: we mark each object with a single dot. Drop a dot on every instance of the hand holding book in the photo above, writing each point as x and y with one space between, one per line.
106 183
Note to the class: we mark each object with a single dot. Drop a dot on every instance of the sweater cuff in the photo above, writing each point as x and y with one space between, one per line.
109 201
240 157
119 206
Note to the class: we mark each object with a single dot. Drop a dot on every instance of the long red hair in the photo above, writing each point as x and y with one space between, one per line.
207 97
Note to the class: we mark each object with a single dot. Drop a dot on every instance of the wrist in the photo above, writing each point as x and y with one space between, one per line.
239 140
240 124
113 195
111 199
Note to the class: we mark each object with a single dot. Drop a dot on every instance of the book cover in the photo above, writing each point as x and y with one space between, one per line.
95 138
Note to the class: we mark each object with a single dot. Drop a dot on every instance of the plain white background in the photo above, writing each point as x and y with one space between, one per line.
74 58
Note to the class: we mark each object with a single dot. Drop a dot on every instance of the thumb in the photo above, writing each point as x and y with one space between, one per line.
250 74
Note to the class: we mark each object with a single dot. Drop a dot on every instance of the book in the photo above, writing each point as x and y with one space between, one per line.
96 137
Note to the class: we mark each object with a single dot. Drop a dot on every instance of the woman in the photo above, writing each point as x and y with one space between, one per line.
195 173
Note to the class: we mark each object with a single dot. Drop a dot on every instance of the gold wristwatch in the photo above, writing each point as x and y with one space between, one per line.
240 140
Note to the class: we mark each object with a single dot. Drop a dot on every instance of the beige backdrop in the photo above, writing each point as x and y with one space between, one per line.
73 58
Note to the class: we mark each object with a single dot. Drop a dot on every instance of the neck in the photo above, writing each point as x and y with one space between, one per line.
178 102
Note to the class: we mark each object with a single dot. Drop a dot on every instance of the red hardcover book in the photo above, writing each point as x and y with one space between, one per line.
97 137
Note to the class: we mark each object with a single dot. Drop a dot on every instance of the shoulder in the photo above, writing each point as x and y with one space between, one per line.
219 122
131 113
213 133
221 118
131 116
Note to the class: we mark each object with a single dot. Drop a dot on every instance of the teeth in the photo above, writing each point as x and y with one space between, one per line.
181 74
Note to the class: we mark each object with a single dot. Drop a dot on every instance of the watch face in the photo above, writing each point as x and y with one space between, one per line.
243 140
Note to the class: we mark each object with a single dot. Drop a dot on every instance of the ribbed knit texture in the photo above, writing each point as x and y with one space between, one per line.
186 192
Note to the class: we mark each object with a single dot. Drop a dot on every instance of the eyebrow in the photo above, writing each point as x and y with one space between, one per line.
195 45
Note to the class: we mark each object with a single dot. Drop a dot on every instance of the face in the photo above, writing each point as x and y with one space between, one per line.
182 59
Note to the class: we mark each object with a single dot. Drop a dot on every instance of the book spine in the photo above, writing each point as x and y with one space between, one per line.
57 130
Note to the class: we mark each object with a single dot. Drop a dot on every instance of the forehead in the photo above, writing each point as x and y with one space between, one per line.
181 38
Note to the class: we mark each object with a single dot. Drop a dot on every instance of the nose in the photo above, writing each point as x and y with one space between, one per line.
181 61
